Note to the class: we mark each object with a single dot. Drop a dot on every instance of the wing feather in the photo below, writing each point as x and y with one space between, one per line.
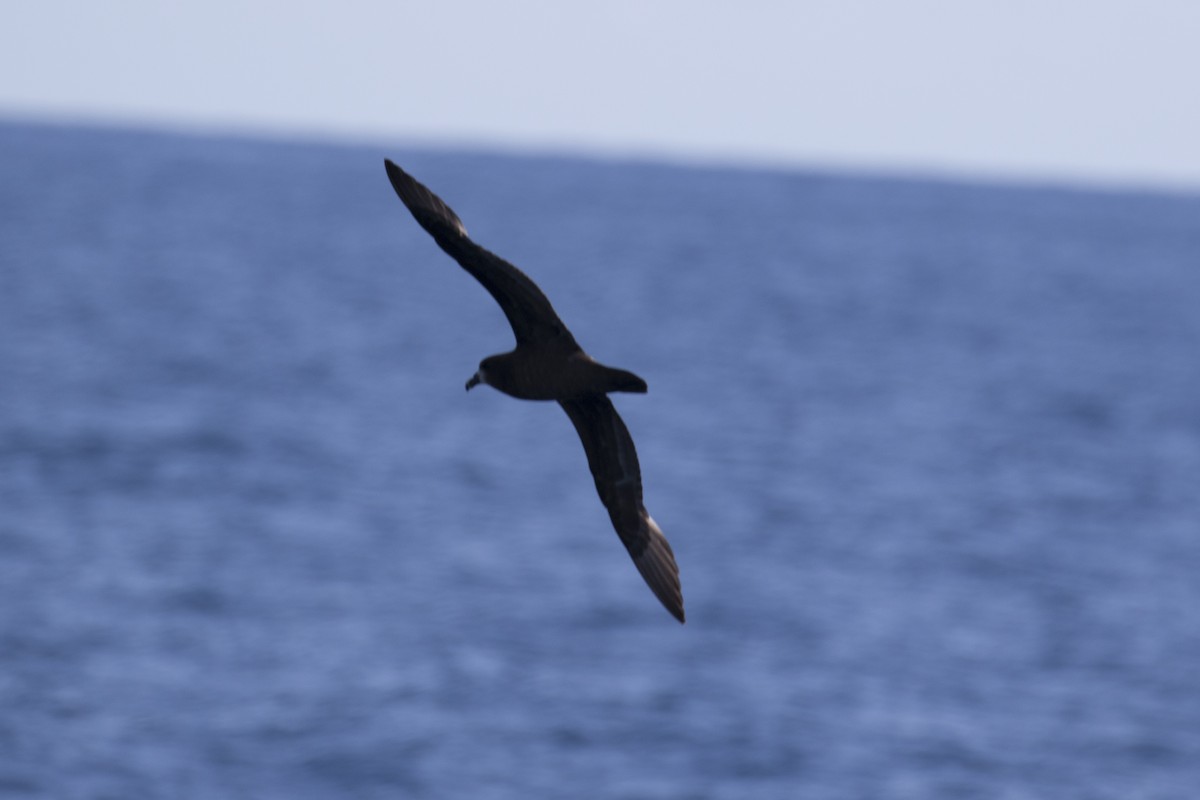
528 310
613 461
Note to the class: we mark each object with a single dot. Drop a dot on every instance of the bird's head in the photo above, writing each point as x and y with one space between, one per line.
481 375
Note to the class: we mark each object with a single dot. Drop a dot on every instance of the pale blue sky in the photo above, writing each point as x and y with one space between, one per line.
1097 90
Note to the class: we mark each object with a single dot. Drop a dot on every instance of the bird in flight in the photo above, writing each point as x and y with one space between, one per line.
547 364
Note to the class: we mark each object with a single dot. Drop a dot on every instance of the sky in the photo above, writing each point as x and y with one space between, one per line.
1098 92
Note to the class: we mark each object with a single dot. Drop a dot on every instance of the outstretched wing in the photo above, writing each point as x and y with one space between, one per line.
614 464
528 311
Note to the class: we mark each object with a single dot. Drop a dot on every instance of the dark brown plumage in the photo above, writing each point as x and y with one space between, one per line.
548 364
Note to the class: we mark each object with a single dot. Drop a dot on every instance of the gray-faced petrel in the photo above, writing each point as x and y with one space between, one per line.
547 364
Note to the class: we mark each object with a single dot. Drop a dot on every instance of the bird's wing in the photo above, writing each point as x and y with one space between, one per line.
614 464
528 311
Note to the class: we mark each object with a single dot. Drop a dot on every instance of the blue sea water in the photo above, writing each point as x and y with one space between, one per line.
928 454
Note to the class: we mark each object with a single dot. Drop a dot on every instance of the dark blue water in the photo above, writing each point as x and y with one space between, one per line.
929 455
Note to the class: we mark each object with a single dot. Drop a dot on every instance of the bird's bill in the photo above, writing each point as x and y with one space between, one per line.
475 381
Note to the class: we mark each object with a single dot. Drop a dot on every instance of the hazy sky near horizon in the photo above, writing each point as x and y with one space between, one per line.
1101 91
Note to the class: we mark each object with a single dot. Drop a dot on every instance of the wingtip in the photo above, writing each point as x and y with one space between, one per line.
675 605
429 209
675 610
658 568
401 180
392 168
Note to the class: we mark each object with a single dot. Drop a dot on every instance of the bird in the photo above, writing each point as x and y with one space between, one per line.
548 364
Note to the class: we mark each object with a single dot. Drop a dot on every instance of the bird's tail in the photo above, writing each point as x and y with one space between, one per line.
620 380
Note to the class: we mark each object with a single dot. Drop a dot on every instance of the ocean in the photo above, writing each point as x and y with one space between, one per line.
928 453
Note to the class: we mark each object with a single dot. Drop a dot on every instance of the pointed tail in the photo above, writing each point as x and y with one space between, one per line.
620 380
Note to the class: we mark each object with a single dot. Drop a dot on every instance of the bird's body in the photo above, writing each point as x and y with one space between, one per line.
548 364
533 372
